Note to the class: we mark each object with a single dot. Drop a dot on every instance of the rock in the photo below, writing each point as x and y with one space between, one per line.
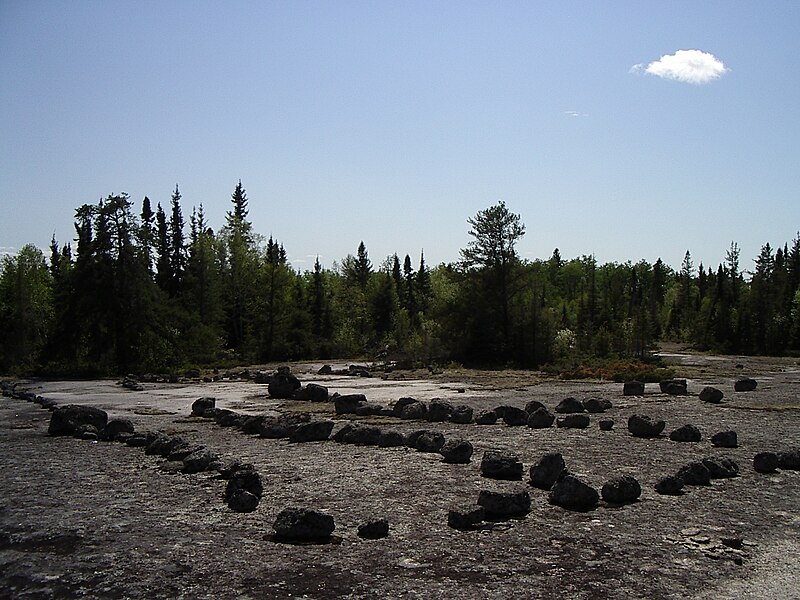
674 387
695 473
315 431
201 405
282 425
391 439
362 435
229 469
505 504
644 427
462 414
766 462
721 467
429 441
247 480
374 529
746 384
397 409
251 424
465 518
534 405
86 432
501 410
198 461
283 384
570 492
546 472
414 412
633 388
243 501
158 444
456 452
178 453
621 490
66 419
137 440
486 417
225 417
725 439
573 421
541 418
325 370
687 433
370 408
348 403
514 416
711 395
114 427
303 524
606 424
500 465
439 410
570 405
669 486
789 460
596 405
316 392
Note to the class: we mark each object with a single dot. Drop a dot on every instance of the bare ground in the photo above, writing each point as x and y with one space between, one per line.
82 519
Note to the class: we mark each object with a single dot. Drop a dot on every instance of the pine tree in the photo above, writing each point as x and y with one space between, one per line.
177 244
164 275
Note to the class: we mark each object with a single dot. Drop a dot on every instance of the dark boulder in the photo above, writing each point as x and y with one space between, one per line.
114 427
721 467
348 403
86 432
462 414
370 408
711 395
570 492
325 370
391 439
644 427
315 431
243 501
687 433
766 462
229 469
66 419
439 410
541 418
225 417
725 439
457 452
573 421
621 490
466 517
247 480
414 411
362 435
283 384
546 472
198 461
501 465
374 529
570 405
181 451
695 473
789 460
746 384
633 388
303 524
316 393
674 387
534 405
596 405
282 425
397 409
514 416
486 417
606 424
505 504
429 441
201 405
137 440
251 424
669 486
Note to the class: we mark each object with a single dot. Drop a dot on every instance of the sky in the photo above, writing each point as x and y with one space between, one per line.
627 130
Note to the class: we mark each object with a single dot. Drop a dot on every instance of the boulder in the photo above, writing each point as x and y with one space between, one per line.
725 439
201 405
325 370
505 504
606 424
486 417
721 467
546 472
198 461
370 408
621 490
674 387
573 421
178 453
669 486
534 405
570 492
247 480
283 384
374 529
86 431
397 409
225 417
596 405
789 460
414 411
746 384
695 473
644 427
362 435
391 439
282 425
514 416
501 465
315 431
439 410
711 395
229 469
687 433
316 392
456 452
466 517
66 419
633 388
429 441
251 424
348 403
766 462
570 405
243 501
114 427
303 524
462 414
541 418
137 440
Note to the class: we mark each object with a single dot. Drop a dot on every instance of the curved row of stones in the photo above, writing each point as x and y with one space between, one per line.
679 387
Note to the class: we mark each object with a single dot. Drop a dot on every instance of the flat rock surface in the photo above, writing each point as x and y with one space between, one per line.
83 519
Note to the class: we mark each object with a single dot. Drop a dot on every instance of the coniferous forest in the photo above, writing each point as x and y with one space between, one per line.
146 289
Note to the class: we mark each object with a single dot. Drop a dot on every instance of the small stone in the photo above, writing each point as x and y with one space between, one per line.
721 467
766 462
303 524
462 414
534 405
414 412
645 427
547 471
725 439
669 486
465 518
249 481
505 504
514 417
348 403
695 473
570 405
687 433
674 387
201 405
621 490
430 441
487 417
243 501
596 405
633 388
573 422
315 431
374 529
457 452
501 465
606 424
391 439
541 418
570 492
711 395
439 410
746 384
789 460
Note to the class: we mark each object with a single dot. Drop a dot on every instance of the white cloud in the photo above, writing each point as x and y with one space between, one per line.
574 113
687 66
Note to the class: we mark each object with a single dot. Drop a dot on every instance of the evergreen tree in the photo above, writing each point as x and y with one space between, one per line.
147 232
177 244
362 266
164 275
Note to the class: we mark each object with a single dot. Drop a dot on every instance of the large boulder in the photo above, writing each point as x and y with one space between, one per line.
546 472
711 395
633 388
414 411
243 501
282 425
789 460
303 524
391 439
596 405
505 504
573 421
687 433
486 417
66 419
362 435
462 414
374 529
570 492
695 473
315 431
514 416
725 439
644 427
244 479
457 452
465 517
534 405
501 465
570 405
766 462
621 490
397 408
541 418
198 461
114 427
283 384
721 467
202 405
746 384
439 410
670 485
674 387
316 392
348 403
429 441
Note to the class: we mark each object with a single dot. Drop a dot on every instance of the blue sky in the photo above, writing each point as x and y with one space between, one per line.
393 122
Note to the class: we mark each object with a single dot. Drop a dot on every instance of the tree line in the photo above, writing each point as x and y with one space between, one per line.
143 291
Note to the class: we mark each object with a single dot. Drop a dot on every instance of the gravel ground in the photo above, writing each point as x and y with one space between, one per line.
82 519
